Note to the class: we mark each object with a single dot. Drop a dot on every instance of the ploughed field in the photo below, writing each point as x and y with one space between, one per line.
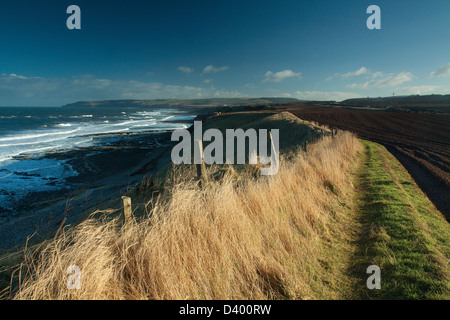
420 141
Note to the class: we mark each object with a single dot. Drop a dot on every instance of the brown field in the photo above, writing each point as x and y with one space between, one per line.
420 141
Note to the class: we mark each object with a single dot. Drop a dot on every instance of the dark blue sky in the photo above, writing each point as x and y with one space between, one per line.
187 49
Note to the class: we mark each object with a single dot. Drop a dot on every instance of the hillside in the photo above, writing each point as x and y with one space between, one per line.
181 103
308 232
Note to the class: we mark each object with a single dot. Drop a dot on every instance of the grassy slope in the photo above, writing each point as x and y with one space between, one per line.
403 233
241 238
384 219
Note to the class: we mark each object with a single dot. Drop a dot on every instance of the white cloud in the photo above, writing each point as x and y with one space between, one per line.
377 74
208 81
281 75
441 72
250 85
422 90
374 79
12 76
380 80
212 69
359 72
19 90
185 69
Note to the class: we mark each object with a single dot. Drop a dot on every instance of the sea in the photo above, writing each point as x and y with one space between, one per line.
28 133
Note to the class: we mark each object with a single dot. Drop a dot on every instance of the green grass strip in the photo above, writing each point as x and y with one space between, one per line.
403 233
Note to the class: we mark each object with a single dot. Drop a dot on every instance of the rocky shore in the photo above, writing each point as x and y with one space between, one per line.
116 162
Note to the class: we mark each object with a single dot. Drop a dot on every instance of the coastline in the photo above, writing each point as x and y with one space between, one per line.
104 172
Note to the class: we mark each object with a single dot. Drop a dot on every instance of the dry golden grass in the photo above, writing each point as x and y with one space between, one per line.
267 238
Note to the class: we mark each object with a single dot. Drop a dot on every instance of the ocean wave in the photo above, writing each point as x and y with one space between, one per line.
119 130
167 118
73 134
35 150
6 158
45 173
37 135
147 113
82 116
140 126
123 123
30 142
146 122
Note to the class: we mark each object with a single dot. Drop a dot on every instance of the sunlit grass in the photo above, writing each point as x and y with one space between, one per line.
404 234
266 238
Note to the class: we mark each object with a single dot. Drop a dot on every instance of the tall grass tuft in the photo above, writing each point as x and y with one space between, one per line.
260 238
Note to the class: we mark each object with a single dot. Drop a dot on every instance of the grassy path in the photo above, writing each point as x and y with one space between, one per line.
401 232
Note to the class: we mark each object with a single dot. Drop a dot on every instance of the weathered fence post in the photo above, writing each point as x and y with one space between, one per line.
201 167
127 214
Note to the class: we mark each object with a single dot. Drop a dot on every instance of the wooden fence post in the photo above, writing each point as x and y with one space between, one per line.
127 214
201 167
